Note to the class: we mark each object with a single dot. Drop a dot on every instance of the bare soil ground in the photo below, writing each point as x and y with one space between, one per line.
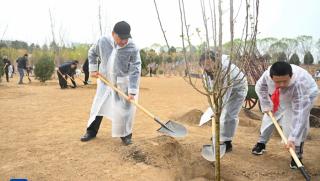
40 128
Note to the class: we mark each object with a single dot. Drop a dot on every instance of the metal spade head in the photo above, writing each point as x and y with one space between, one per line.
208 152
173 129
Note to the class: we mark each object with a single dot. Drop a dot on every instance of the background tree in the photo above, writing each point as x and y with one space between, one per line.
44 68
305 43
264 44
143 56
267 57
308 58
294 59
281 56
277 49
291 46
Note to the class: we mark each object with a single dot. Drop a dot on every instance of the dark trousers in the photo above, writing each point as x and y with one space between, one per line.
94 126
7 75
86 76
62 82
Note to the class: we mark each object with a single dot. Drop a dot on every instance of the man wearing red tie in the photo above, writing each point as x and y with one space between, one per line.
289 92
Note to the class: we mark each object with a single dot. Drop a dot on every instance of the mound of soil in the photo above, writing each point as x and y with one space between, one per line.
166 152
251 114
315 117
192 117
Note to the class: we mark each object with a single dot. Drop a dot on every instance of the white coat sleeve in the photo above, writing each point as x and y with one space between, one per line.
261 89
300 108
93 54
134 72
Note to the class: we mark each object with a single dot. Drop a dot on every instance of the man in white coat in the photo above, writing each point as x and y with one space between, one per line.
233 98
289 92
121 65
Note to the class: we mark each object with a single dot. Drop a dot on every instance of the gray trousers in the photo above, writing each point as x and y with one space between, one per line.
21 73
229 118
266 134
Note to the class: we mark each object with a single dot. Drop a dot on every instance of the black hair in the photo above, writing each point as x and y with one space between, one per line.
280 69
25 55
75 62
206 55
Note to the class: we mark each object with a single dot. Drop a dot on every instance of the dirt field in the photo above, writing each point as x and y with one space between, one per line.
40 128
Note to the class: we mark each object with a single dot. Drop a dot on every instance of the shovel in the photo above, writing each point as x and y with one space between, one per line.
170 128
292 152
208 151
63 76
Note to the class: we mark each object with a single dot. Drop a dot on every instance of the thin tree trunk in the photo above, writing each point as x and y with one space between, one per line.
55 52
217 103
215 24
231 29
99 17
164 34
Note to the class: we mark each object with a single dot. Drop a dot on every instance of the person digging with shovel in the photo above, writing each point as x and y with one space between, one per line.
232 100
68 69
6 67
289 92
121 65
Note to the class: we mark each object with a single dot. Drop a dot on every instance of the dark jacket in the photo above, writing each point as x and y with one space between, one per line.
22 62
65 68
6 63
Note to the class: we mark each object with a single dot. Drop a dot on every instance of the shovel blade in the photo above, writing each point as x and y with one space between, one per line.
208 152
173 129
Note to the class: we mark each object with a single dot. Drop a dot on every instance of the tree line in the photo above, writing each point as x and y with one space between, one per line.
301 49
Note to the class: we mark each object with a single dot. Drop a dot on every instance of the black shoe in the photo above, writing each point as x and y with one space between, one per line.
87 137
228 146
127 139
85 83
293 164
259 148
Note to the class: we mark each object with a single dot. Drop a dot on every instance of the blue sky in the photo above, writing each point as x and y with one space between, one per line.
77 20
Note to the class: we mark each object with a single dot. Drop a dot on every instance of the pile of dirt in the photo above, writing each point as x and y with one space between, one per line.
192 117
249 118
315 117
252 115
166 152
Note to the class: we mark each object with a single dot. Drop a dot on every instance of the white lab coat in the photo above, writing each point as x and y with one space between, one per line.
122 67
296 102
232 101
10 70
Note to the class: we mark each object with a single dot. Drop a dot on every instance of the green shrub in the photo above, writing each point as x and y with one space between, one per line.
294 59
308 58
44 68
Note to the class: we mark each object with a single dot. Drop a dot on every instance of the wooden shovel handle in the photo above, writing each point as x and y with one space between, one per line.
292 152
62 75
103 79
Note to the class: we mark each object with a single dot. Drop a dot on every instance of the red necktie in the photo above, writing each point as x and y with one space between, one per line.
275 97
